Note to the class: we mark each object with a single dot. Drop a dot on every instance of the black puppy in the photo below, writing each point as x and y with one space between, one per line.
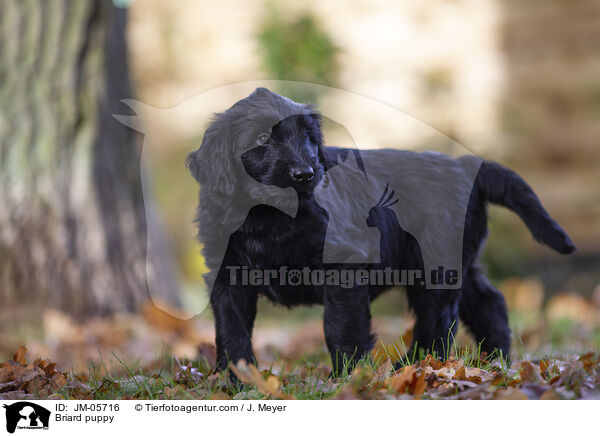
271 199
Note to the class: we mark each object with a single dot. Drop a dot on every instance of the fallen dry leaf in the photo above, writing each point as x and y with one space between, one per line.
433 363
384 371
550 395
19 357
527 373
348 392
39 378
473 375
588 360
401 381
509 394
249 374
220 396
420 385
16 395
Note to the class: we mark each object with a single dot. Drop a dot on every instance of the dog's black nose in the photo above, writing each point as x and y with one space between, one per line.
303 173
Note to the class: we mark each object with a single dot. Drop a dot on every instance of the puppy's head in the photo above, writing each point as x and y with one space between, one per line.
275 141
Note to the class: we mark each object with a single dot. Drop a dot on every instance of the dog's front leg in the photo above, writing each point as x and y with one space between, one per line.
347 325
234 309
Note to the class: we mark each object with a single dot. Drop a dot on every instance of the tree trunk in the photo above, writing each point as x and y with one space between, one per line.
72 219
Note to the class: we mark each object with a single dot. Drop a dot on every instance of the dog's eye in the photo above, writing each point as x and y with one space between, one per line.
310 138
263 139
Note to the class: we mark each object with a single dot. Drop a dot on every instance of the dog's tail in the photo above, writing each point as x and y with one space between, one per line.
502 186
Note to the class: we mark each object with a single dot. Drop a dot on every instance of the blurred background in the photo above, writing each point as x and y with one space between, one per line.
516 82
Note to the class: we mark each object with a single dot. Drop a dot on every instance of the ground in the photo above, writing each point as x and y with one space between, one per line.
154 355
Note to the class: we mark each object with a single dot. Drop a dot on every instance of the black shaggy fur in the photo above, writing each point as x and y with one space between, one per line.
266 144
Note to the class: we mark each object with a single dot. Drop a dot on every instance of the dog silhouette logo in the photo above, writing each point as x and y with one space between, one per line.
26 415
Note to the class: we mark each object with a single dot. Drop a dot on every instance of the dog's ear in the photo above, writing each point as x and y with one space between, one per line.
318 133
211 164
192 163
264 92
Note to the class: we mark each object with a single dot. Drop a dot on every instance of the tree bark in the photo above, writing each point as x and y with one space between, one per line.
72 217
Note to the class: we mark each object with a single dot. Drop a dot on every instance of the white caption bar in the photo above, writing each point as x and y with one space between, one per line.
296 417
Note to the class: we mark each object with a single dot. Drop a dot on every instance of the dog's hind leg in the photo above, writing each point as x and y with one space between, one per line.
437 321
483 310
347 326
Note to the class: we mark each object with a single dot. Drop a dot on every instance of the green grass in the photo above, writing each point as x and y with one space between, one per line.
307 377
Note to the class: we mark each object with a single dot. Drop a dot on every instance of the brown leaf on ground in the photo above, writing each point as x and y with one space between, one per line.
17 395
572 376
47 366
39 378
419 386
473 375
461 373
481 392
550 395
430 361
249 374
58 381
527 373
554 379
19 356
361 378
534 390
589 360
79 390
170 392
509 394
445 372
14 373
384 371
220 396
348 392
400 382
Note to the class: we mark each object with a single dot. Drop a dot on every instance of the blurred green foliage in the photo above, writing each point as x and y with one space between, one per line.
505 253
298 49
